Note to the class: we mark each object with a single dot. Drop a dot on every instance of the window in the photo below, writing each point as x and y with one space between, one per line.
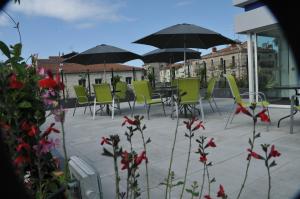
233 61
82 82
98 81
128 80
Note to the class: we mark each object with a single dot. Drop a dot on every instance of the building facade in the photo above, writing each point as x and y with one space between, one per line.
270 61
76 74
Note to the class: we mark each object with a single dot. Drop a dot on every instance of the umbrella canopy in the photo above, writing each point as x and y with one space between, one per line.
170 55
185 36
102 54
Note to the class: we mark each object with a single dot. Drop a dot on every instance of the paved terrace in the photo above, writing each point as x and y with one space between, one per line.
229 157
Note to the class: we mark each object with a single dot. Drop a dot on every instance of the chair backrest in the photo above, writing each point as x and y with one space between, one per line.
121 87
81 94
191 86
210 88
102 93
234 88
142 90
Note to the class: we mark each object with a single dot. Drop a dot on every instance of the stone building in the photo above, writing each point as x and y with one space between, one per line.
75 74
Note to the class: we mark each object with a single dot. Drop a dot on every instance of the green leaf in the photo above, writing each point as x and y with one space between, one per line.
273 163
189 190
4 48
148 141
178 183
17 50
25 104
195 193
250 142
107 153
257 135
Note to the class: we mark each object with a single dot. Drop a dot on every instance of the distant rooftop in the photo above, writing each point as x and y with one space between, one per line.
54 62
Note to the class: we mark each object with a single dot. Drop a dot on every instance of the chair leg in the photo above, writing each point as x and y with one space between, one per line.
132 108
216 106
94 113
292 119
148 110
75 109
90 109
129 104
229 116
164 109
211 106
113 109
84 110
201 109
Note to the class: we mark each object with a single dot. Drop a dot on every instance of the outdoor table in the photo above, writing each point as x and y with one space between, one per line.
294 87
168 91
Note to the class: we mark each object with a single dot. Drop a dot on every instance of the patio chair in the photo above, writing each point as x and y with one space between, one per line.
81 98
191 98
104 98
294 109
143 95
209 94
238 99
122 94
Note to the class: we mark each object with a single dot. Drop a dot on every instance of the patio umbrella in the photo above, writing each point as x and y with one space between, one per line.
170 55
185 36
103 54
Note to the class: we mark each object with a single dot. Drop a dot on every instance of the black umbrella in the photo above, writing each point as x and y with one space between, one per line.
170 55
185 36
103 54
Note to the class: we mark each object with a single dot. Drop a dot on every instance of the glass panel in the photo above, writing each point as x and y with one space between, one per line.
274 65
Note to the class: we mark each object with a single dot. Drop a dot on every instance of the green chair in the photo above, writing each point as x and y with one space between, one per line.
238 99
191 98
209 94
104 98
122 92
81 98
143 95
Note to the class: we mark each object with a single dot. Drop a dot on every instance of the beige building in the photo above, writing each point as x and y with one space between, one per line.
75 74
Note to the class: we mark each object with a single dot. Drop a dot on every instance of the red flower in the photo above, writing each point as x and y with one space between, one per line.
274 153
207 197
264 117
203 158
138 159
243 110
189 123
125 160
14 83
221 192
33 131
25 126
129 121
105 141
23 145
254 155
199 125
4 126
50 129
211 143
21 160
47 83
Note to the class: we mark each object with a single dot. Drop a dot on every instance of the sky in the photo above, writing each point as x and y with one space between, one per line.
51 27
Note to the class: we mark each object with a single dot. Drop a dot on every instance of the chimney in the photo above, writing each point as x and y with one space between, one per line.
214 49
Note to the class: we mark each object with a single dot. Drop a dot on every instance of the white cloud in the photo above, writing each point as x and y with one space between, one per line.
183 3
4 21
72 10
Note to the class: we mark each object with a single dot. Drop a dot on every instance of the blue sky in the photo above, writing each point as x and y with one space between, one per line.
59 26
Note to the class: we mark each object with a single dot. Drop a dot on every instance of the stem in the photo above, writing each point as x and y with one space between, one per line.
208 180
39 173
187 165
171 160
17 25
203 180
116 174
66 169
146 163
249 161
269 188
